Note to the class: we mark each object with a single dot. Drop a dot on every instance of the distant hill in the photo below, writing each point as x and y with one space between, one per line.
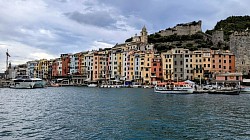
231 24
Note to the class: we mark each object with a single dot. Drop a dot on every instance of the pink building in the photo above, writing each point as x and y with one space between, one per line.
228 77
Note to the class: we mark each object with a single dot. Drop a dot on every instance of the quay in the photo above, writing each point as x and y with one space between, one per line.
4 83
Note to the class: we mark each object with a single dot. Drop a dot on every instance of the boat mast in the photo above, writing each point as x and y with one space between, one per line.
7 63
7 60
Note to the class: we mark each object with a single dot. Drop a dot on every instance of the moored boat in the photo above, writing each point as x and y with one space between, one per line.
245 90
225 92
92 85
174 88
22 82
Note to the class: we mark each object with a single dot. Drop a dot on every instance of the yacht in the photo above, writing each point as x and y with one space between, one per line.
22 82
26 82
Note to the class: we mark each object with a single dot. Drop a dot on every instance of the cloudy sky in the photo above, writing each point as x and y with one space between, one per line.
36 29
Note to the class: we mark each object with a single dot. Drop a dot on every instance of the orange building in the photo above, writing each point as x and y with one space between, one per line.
222 62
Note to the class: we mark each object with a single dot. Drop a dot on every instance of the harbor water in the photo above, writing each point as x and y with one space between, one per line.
121 113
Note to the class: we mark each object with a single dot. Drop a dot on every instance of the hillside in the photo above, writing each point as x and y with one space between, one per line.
231 24
192 42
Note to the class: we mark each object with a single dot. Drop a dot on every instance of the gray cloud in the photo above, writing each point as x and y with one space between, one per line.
98 18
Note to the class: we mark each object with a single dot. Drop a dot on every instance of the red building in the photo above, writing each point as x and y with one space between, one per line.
156 70
65 64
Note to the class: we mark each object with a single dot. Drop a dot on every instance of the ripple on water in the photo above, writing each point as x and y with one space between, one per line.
92 113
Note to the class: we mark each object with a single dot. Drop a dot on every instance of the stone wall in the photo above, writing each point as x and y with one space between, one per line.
240 47
183 29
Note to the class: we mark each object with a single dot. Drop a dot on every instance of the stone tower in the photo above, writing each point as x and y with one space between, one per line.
218 36
144 35
239 46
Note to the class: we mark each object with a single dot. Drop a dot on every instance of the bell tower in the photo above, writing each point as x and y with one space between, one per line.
144 35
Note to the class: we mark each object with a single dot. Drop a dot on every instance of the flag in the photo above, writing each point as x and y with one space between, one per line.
7 54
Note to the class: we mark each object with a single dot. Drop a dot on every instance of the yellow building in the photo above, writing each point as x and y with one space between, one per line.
146 64
207 63
167 65
42 69
197 63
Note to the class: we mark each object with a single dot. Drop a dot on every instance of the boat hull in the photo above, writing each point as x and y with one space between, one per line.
22 85
225 92
173 91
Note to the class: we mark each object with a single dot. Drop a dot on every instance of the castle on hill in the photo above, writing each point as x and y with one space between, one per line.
183 29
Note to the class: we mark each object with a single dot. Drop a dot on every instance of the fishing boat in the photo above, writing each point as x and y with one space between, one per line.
174 88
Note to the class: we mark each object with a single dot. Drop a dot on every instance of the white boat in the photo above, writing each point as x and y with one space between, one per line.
174 88
92 85
136 85
245 90
22 82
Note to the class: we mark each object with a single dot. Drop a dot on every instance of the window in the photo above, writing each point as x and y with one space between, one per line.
175 62
181 62
175 69
214 66
166 66
225 61
205 65
181 69
186 60
208 65
219 66
187 71
229 61
224 67
219 61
